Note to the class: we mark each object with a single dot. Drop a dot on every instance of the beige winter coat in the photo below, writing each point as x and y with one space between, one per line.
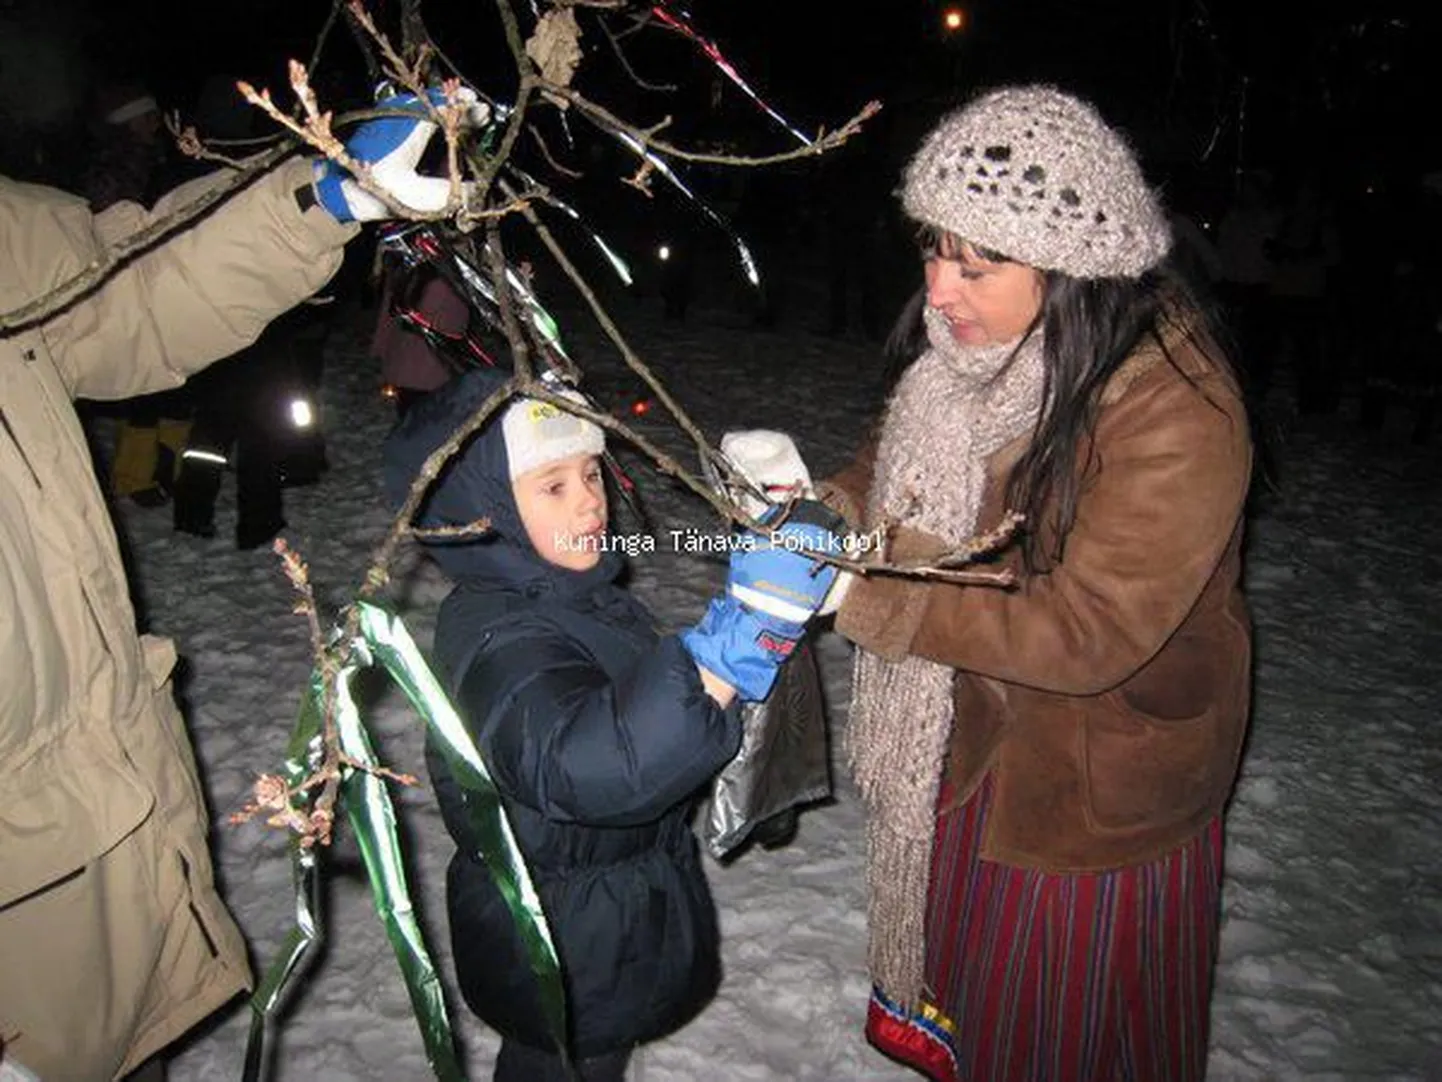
112 938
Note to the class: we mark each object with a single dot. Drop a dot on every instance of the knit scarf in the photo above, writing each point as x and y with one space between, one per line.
952 409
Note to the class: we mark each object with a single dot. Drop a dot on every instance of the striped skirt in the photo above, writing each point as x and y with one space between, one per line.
1061 978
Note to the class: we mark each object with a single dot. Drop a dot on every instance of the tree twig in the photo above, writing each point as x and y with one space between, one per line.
598 114
546 153
378 574
505 302
626 63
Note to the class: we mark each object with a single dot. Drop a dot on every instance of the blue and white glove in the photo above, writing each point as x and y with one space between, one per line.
772 463
775 586
391 146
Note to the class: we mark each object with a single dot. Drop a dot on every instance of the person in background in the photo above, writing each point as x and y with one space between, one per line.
127 163
599 732
409 366
257 413
113 939
1303 253
1045 767
127 154
1245 235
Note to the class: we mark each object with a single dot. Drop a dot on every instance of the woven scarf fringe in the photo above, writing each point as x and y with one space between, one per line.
899 869
899 828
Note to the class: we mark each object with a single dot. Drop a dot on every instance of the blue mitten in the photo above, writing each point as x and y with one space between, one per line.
391 146
775 586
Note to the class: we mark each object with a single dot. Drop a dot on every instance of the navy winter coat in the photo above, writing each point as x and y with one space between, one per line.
598 733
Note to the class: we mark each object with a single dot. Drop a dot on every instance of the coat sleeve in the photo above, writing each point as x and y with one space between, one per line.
203 294
562 737
1152 524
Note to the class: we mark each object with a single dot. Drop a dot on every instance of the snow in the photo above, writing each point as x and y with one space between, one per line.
1331 950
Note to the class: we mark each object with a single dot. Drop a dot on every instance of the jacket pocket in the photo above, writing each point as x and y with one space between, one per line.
67 806
1187 676
1162 748
1140 774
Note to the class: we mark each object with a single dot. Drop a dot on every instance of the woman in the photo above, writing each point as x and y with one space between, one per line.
1045 767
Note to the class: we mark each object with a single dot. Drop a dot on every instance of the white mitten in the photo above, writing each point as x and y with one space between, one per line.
771 462
837 594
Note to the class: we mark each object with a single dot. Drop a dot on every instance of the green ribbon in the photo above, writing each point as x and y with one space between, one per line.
372 816
367 803
297 950
393 647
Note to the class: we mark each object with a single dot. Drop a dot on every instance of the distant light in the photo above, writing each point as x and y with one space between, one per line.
641 407
301 415
663 253
953 19
390 390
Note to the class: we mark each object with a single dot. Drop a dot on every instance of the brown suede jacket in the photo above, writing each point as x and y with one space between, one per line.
1108 697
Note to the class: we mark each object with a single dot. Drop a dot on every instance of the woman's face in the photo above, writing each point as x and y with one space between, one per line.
985 303
563 508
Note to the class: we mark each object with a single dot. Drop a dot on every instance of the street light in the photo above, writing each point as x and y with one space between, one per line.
954 20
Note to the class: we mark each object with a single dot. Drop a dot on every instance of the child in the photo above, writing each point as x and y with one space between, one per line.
598 732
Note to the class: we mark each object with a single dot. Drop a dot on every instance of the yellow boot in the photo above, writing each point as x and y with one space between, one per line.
133 473
173 436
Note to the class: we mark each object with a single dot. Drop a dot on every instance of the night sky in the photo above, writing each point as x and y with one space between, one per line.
1197 83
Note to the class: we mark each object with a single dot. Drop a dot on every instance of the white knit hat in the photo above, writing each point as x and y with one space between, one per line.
538 433
1037 175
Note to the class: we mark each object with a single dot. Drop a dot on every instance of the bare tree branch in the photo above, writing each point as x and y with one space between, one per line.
510 326
575 174
824 141
53 301
379 572
615 43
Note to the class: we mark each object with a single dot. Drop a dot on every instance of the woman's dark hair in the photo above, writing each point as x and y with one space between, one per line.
1091 326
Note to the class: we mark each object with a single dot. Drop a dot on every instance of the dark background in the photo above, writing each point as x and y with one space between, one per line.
1347 88
1206 89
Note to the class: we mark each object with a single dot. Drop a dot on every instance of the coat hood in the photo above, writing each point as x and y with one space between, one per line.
475 483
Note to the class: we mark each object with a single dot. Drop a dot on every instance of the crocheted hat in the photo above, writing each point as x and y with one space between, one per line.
1038 175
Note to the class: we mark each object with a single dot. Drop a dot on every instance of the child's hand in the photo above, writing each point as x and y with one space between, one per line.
776 575
775 586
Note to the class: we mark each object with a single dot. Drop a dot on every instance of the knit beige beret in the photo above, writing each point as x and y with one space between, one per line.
1037 175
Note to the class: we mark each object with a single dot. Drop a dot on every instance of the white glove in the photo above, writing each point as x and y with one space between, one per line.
391 146
837 594
771 462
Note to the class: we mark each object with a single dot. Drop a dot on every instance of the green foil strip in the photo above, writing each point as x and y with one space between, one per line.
394 648
368 804
297 949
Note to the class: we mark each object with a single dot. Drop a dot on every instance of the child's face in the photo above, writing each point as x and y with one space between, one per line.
563 508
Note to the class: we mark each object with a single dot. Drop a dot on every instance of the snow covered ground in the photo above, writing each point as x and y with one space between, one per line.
1331 962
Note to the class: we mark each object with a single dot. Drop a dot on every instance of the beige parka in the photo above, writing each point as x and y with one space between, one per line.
113 940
